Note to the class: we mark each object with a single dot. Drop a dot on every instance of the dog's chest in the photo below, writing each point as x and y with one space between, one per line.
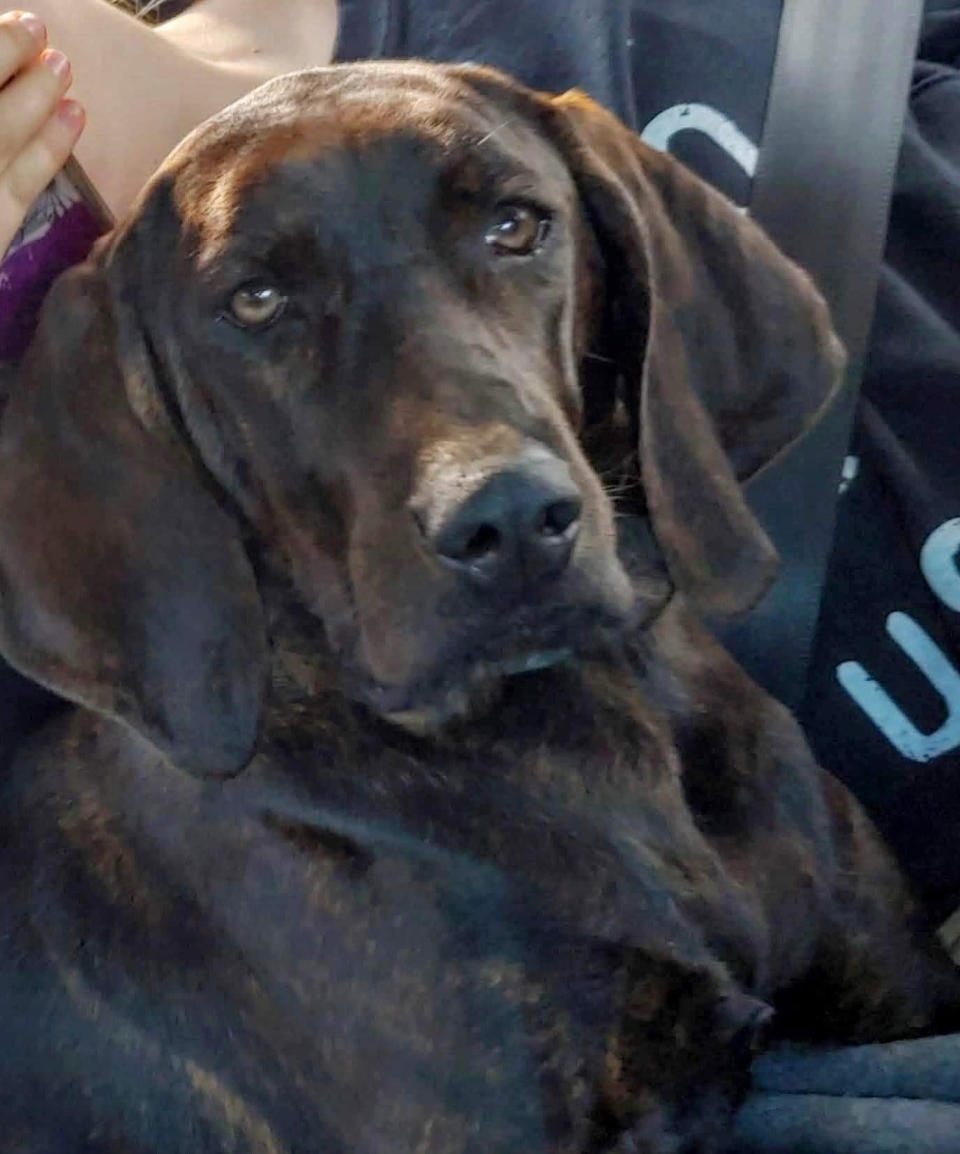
385 955
248 981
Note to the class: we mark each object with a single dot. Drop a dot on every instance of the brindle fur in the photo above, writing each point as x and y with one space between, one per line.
400 902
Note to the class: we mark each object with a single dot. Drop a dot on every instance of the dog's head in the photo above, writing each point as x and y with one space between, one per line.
368 318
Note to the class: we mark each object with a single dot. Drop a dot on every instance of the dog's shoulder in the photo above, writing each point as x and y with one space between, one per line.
723 725
201 947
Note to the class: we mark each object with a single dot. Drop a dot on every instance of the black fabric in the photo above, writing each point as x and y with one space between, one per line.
893 586
638 57
167 9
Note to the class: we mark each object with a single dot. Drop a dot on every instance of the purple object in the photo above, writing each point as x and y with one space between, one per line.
59 232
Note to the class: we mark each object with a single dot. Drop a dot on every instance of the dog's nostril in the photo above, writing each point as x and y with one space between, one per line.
558 518
484 542
520 526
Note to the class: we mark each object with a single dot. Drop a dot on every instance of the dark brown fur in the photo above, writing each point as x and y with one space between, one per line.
402 900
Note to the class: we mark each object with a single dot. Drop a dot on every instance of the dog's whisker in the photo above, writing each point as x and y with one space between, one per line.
493 131
620 492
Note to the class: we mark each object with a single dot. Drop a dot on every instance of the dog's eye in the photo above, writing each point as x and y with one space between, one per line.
517 230
256 305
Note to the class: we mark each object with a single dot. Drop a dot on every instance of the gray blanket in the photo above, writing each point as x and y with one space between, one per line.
901 1098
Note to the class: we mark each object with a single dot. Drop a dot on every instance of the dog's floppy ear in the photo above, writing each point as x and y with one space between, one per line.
123 585
725 344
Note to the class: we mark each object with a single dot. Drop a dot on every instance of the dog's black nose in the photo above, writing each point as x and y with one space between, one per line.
520 526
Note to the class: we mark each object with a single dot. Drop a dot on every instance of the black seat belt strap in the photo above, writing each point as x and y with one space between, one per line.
822 191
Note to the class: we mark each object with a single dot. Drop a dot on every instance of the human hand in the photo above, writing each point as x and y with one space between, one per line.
38 128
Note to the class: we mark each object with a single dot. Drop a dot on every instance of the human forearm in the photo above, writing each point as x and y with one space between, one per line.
141 92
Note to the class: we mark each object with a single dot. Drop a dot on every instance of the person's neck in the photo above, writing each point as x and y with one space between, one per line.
254 38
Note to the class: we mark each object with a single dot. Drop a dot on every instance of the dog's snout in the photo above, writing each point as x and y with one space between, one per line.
519 526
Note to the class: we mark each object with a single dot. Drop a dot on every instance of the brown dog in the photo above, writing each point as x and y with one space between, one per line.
304 477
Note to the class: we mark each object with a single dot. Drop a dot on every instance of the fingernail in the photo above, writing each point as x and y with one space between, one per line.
58 64
71 113
35 26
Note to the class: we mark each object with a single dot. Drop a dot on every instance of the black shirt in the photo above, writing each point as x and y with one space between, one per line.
701 66
883 700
